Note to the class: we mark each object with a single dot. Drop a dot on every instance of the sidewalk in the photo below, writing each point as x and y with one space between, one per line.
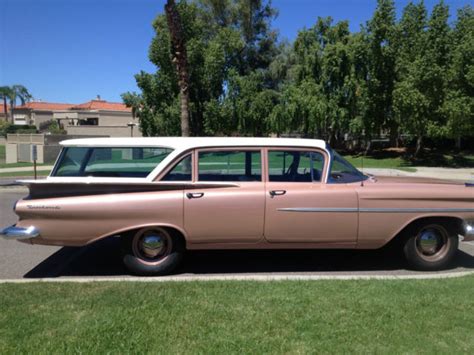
25 169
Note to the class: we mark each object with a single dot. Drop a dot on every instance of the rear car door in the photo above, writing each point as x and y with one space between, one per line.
226 214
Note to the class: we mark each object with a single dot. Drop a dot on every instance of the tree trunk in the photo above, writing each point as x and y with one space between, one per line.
184 102
419 143
368 146
12 119
180 59
458 142
394 135
5 108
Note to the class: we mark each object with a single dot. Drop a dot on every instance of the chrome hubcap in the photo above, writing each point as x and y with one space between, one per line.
152 245
430 241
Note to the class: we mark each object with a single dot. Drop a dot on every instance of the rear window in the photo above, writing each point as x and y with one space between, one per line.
109 162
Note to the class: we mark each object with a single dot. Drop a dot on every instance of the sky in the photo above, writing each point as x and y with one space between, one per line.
73 50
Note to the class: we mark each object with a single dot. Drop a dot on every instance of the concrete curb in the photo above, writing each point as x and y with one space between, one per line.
255 277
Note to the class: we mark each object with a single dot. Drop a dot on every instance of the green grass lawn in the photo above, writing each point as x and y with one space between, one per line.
417 316
384 163
2 153
393 160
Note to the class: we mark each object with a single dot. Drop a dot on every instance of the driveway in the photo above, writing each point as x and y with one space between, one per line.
102 259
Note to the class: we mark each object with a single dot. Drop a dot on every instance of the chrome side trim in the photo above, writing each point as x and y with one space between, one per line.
17 233
374 210
411 210
317 209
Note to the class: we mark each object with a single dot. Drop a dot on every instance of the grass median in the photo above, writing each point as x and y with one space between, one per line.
410 316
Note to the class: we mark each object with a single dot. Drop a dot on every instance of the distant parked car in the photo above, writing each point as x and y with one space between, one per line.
167 195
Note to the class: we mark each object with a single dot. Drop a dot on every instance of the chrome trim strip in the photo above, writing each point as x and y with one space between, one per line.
18 233
411 210
316 209
374 210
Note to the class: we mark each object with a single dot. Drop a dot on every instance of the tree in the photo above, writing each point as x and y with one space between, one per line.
319 100
458 106
180 59
438 57
411 104
5 95
224 41
12 94
381 40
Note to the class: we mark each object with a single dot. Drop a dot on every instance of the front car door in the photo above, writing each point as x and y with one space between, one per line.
226 214
300 207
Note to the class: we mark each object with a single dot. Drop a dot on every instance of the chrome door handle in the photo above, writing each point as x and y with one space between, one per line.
274 193
195 194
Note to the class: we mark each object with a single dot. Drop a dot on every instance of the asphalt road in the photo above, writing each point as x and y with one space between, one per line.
19 260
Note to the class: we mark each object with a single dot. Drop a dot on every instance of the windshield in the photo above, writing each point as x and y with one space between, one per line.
109 162
342 172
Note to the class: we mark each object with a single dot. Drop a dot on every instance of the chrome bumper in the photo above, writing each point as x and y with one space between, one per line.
468 230
18 233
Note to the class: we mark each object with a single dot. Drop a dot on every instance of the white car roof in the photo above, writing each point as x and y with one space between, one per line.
184 143
178 144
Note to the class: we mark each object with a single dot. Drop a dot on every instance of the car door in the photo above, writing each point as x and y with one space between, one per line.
226 214
300 207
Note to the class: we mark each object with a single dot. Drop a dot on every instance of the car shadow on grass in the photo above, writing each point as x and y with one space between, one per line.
104 259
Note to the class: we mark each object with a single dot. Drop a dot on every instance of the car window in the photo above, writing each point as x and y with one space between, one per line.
342 172
109 162
295 166
230 166
182 171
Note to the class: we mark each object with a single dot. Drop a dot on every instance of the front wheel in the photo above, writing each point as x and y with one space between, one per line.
430 246
151 251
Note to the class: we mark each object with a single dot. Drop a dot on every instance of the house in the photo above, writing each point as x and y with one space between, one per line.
93 118
37 113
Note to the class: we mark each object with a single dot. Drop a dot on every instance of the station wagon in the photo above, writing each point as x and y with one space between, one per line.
164 196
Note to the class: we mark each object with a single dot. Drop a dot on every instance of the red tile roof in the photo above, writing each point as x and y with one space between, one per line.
44 106
102 105
91 105
2 111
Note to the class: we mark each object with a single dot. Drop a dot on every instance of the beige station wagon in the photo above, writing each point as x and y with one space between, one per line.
164 196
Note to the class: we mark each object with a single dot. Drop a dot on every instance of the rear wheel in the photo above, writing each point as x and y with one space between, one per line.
430 246
151 251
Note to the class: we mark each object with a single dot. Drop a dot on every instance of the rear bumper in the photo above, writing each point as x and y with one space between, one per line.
468 231
19 233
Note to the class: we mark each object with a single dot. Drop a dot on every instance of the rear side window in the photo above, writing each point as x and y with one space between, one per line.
226 165
182 171
109 162
295 166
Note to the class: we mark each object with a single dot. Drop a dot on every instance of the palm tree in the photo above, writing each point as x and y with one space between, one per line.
180 58
18 92
5 93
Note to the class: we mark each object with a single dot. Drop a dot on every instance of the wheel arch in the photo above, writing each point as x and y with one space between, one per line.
454 221
175 231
